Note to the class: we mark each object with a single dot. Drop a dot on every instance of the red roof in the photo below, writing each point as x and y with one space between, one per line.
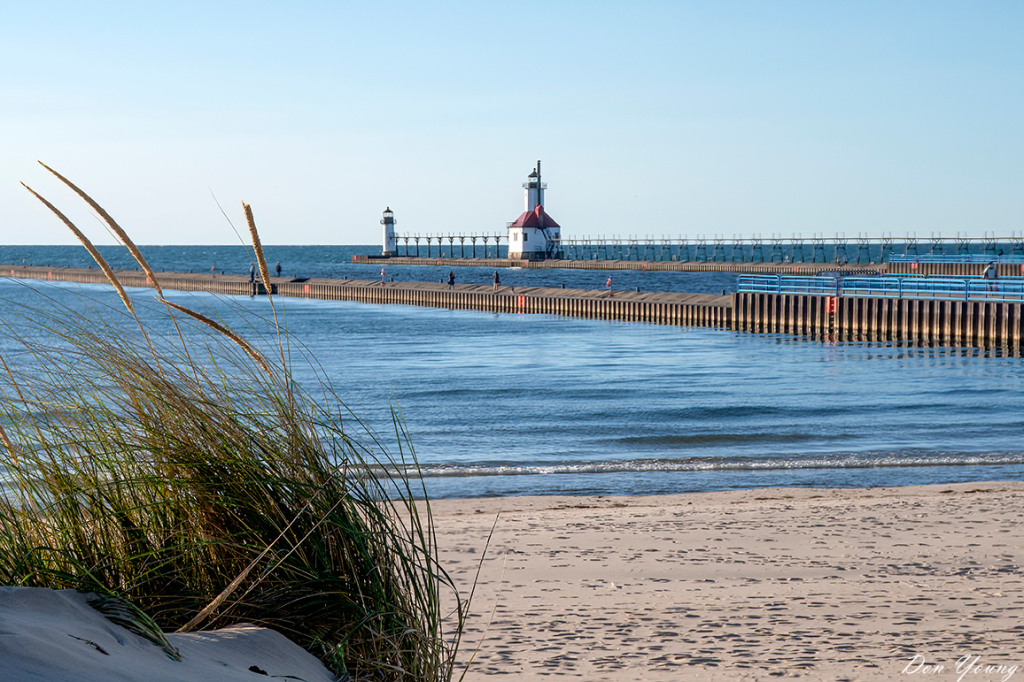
535 218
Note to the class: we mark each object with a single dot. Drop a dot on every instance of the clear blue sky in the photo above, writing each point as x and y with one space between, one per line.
651 118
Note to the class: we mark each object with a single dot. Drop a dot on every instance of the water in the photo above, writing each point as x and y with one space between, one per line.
533 404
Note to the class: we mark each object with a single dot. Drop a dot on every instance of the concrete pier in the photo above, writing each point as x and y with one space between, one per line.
745 268
658 308
928 322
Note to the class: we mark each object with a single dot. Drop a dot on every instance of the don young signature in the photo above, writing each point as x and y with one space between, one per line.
966 668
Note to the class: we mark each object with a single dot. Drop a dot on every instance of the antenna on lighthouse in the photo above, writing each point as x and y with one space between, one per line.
540 186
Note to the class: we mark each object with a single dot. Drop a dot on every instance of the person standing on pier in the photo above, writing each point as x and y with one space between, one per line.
278 268
990 274
382 274
608 286
497 281
252 273
451 279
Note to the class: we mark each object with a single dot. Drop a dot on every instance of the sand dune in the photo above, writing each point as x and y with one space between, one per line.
752 585
55 636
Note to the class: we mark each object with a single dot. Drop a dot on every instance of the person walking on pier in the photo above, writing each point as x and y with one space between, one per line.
608 286
278 268
252 273
497 281
451 279
990 274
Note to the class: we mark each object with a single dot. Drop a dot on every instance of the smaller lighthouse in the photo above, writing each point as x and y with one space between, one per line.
390 245
534 235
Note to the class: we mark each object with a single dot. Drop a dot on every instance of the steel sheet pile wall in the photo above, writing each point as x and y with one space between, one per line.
976 323
952 269
568 303
227 285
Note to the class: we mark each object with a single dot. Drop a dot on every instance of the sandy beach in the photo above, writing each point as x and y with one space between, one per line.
858 584
862 584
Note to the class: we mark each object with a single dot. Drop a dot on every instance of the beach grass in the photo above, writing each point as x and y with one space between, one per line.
155 457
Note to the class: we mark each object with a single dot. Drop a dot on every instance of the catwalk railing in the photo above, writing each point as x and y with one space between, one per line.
773 248
1009 289
777 248
962 258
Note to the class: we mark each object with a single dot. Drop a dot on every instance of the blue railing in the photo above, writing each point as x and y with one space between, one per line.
959 288
961 258
787 284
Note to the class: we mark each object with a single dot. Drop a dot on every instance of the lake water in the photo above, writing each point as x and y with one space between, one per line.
535 404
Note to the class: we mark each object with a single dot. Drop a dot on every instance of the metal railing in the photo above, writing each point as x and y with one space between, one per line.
962 258
788 284
1009 289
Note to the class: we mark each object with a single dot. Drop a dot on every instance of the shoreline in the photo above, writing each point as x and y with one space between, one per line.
837 583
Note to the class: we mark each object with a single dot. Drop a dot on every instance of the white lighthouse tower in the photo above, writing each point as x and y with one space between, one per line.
534 235
390 245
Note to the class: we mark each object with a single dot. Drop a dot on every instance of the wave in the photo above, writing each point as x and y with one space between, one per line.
843 461
728 438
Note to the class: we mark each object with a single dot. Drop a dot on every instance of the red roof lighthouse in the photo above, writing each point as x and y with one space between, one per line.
534 235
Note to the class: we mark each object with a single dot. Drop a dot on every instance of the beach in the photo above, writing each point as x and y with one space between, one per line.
818 584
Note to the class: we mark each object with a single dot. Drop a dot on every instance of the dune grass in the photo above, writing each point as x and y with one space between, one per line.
183 476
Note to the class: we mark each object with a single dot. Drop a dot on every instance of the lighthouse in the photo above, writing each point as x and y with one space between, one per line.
534 235
390 246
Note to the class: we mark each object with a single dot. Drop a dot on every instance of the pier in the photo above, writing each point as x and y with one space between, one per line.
949 317
659 308
651 266
914 322
953 266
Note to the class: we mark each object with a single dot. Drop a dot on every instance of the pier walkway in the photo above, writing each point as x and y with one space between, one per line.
952 266
827 313
658 308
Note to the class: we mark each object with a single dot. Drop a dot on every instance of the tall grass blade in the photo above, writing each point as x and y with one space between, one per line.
213 324
121 234
107 270
134 620
257 247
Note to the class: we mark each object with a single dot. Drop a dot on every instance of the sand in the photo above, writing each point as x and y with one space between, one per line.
873 584
55 636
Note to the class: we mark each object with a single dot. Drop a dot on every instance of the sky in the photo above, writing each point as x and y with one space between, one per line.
665 119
